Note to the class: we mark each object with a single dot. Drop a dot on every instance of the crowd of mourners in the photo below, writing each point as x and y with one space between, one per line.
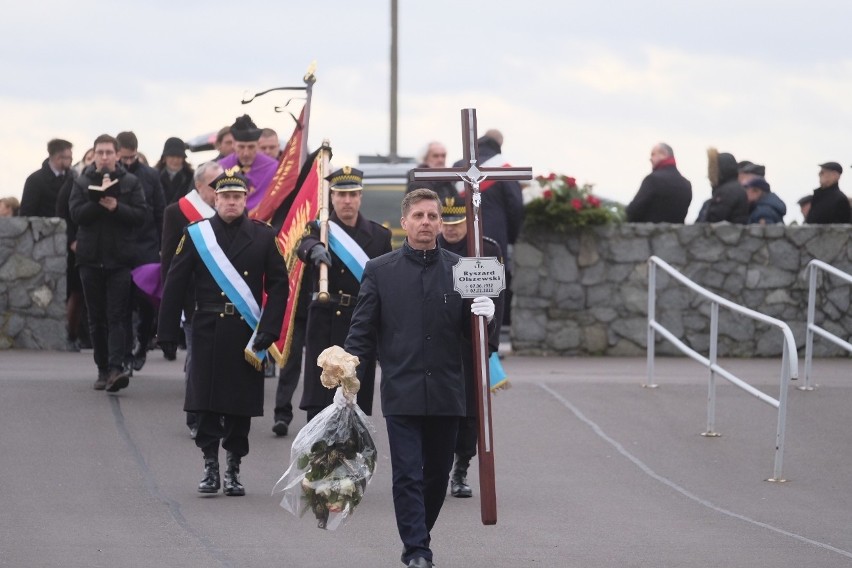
741 194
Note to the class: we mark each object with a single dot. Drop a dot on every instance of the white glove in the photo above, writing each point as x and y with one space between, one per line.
483 306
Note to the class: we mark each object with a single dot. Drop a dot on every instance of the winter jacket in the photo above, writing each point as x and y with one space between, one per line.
663 197
146 239
105 238
830 205
769 209
729 201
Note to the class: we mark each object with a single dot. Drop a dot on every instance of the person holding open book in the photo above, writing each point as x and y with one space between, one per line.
106 203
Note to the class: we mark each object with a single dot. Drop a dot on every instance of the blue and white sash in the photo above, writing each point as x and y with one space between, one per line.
226 276
347 250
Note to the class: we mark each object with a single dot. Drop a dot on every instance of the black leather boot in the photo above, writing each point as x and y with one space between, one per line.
458 480
232 486
211 482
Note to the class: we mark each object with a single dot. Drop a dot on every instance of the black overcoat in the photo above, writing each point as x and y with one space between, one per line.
220 379
410 317
328 323
829 205
663 197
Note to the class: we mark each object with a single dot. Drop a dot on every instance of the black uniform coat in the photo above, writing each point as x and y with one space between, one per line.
174 222
328 323
220 379
489 248
411 318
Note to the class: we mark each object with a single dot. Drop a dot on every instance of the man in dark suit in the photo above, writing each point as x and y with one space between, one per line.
194 206
328 322
230 260
410 316
42 187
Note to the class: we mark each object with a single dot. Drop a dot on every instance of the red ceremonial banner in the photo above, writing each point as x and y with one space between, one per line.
286 176
304 210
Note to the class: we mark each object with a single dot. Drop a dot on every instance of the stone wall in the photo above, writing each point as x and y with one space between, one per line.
32 283
586 293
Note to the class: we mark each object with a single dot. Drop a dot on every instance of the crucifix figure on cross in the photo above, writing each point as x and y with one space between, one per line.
472 174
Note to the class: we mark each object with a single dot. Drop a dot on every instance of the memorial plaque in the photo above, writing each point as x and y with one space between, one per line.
479 276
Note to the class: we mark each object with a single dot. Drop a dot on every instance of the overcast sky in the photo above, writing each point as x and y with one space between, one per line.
581 88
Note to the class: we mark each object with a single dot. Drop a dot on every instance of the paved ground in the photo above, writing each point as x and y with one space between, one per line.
592 471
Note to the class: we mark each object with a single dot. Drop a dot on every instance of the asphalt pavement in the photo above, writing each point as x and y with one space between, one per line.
592 471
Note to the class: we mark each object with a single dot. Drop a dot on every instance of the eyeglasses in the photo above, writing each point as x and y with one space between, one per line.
128 159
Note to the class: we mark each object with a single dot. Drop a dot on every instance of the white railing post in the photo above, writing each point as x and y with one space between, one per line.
789 362
812 328
782 417
809 334
652 310
711 383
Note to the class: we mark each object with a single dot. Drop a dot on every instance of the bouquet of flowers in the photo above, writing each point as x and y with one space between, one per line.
555 202
333 457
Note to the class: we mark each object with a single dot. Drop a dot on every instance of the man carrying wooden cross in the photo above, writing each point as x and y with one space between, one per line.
410 315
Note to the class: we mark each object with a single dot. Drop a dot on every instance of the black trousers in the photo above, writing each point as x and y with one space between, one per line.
421 450
191 417
232 430
107 294
466 438
146 317
288 378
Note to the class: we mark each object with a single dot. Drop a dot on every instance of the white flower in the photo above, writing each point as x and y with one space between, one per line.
347 486
532 191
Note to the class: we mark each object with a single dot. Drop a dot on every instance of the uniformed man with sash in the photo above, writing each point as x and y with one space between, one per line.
230 260
352 241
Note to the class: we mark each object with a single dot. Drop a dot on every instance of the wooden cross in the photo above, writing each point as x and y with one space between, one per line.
472 175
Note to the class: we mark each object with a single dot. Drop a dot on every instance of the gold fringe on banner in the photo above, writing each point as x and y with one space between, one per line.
253 359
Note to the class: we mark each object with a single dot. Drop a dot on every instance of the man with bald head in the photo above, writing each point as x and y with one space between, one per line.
664 195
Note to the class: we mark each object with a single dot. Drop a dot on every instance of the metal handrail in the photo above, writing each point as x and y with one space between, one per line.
789 361
813 267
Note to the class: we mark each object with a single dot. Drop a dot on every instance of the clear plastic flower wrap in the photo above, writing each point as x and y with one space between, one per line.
333 458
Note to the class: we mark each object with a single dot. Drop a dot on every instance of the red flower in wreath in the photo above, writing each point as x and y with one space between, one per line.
577 203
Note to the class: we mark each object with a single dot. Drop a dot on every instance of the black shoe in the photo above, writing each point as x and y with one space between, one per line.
127 367
458 479
460 488
280 428
170 353
232 486
210 483
139 357
101 382
419 562
117 380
